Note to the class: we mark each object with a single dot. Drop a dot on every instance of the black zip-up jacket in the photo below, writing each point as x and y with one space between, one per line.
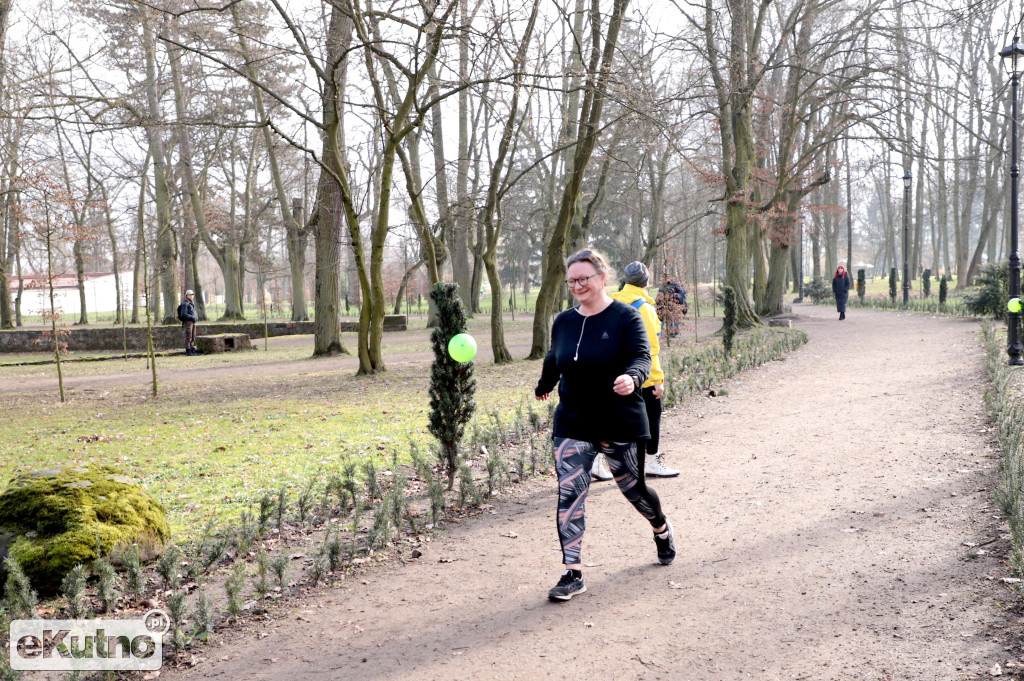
587 354
187 309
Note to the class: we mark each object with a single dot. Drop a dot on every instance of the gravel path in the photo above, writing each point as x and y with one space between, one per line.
822 520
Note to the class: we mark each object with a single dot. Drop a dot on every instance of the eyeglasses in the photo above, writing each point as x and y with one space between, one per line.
581 281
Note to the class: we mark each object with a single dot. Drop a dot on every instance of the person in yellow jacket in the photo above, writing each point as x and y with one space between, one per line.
635 294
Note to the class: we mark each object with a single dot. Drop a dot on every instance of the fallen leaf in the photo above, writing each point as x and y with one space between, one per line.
510 535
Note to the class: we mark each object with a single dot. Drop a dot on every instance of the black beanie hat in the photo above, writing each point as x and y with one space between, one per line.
636 274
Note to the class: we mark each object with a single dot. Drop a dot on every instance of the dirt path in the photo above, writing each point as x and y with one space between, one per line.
821 522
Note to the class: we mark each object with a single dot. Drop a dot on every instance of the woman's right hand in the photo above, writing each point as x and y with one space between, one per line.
543 397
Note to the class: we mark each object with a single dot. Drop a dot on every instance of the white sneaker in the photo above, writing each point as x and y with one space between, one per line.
655 467
600 470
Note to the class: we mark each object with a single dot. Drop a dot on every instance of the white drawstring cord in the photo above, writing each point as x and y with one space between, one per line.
577 355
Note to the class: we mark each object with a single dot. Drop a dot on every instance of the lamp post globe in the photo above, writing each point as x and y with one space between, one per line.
1013 59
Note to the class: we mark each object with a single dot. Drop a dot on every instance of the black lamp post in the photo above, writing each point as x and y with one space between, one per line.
1011 58
906 240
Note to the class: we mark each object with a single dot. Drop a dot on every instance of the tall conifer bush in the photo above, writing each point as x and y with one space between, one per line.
861 285
729 319
452 385
892 284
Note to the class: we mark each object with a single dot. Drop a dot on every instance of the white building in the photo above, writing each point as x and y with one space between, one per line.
100 293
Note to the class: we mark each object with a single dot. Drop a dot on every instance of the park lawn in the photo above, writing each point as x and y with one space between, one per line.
294 349
212 452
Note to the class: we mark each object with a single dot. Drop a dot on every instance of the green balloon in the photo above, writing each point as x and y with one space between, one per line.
1014 305
462 347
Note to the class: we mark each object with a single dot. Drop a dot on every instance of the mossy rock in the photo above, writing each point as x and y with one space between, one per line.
55 518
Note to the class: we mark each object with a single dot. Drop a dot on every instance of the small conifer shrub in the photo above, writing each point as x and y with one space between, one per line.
729 320
167 567
233 586
452 386
280 506
135 580
108 586
19 598
72 587
202 618
266 512
280 566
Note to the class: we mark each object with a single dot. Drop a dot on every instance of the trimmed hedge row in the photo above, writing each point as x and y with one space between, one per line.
1004 399
697 369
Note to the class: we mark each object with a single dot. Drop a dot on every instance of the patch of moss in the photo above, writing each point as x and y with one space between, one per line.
59 515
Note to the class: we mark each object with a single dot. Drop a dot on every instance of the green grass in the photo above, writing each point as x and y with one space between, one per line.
211 444
217 455
214 447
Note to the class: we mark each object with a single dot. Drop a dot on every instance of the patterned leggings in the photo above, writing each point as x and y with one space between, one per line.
573 459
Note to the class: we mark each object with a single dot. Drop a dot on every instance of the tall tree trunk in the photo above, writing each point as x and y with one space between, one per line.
490 217
590 120
115 256
295 229
226 253
333 212
459 245
78 249
782 232
10 242
167 245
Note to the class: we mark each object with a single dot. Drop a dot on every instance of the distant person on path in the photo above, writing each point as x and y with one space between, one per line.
841 289
599 358
672 305
188 316
634 293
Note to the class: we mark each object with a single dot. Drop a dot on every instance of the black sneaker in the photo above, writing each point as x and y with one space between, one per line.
567 587
666 546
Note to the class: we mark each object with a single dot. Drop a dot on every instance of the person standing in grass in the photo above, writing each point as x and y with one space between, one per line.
599 358
188 316
634 293
841 290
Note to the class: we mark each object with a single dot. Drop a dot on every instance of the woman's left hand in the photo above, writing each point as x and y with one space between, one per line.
623 385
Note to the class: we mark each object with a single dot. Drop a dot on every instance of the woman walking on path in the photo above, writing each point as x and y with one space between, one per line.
599 358
841 290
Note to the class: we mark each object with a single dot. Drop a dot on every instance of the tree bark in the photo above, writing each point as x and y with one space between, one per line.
590 119
295 230
334 213
166 246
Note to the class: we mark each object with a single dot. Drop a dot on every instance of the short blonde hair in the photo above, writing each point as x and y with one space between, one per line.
591 256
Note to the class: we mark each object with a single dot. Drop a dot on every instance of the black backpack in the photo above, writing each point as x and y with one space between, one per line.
181 313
